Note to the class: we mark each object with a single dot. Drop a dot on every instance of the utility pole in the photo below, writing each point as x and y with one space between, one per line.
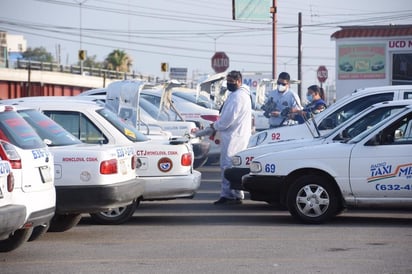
300 55
273 11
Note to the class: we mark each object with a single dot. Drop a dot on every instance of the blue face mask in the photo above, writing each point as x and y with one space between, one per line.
309 97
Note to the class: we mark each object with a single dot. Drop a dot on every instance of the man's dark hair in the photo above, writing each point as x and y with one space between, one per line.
284 75
235 75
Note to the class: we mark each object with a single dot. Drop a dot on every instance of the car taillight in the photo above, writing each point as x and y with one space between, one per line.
186 159
10 182
212 118
108 167
9 153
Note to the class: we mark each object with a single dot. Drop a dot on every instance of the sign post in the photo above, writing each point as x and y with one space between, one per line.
220 62
322 74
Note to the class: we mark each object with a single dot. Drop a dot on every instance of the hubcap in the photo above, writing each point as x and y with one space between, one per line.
312 200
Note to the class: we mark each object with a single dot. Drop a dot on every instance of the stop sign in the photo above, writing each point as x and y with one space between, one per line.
322 73
220 62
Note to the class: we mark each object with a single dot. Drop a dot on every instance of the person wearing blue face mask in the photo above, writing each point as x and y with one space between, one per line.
281 102
316 104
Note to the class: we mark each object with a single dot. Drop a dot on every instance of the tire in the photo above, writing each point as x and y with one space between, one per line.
312 199
38 232
115 216
64 222
15 240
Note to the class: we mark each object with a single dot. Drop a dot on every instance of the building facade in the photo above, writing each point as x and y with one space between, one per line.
369 56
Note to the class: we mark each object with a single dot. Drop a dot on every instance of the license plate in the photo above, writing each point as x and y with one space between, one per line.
45 174
123 167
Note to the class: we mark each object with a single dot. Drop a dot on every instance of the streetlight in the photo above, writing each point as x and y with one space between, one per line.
81 52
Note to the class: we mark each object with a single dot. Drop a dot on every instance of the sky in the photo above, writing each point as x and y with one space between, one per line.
186 33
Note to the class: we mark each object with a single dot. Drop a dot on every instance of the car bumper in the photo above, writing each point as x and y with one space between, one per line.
200 151
263 188
171 187
12 217
234 176
96 198
40 205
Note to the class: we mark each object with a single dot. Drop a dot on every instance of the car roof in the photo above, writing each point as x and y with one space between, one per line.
55 100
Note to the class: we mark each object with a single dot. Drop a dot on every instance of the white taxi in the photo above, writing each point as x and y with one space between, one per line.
33 171
349 129
315 183
334 115
12 216
166 167
89 178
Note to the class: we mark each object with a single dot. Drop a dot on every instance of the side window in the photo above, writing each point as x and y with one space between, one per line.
407 95
79 125
347 111
398 133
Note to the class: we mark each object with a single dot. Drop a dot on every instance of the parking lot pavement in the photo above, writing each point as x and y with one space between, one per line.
195 236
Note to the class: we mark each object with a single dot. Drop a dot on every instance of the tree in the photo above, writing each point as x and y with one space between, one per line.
118 60
39 54
91 62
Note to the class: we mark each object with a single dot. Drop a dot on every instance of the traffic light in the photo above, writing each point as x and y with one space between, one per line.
164 67
82 55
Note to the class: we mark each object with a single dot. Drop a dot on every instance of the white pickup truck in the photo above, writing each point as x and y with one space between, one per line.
372 170
165 167
88 178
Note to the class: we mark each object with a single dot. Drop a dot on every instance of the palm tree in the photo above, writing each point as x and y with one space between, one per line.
118 60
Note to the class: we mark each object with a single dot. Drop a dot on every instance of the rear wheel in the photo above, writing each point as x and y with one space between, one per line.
312 199
63 222
15 240
115 216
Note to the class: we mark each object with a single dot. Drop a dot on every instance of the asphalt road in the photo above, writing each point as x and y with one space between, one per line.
195 236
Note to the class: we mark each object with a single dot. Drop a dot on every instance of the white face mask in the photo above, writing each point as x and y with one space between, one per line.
281 88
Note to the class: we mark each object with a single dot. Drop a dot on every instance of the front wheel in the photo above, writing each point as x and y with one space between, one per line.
312 199
15 240
115 216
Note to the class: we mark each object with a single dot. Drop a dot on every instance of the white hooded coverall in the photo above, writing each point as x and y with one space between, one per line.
235 126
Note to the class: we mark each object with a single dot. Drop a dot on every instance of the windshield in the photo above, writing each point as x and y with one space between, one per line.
15 130
47 129
338 116
365 133
152 110
126 129
356 125
201 100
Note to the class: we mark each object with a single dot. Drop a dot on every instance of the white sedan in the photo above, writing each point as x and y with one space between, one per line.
315 183
166 167
349 129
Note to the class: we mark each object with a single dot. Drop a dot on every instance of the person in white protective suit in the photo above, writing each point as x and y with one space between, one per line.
235 127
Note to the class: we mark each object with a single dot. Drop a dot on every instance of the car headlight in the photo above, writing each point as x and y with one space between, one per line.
255 167
257 138
236 160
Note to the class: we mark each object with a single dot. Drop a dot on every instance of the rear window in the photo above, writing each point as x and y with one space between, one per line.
49 130
126 129
14 129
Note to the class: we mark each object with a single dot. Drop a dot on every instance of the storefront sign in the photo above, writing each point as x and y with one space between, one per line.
362 61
